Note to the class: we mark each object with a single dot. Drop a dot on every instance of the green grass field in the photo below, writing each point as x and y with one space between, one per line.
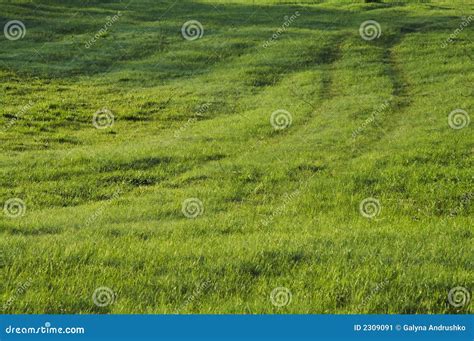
232 163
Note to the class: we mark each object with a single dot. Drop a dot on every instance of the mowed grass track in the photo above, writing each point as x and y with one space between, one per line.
192 120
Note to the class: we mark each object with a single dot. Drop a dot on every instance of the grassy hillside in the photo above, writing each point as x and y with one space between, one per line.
227 172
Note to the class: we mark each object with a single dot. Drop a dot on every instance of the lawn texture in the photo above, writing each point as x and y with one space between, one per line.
276 208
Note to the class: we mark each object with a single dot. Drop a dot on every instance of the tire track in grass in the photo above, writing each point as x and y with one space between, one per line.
393 71
357 150
325 94
400 94
396 75
332 55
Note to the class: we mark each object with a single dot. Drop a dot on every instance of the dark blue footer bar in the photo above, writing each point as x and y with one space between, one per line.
238 327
